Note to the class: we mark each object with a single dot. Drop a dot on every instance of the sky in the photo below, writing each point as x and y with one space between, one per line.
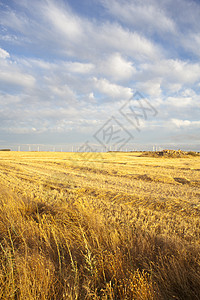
99 74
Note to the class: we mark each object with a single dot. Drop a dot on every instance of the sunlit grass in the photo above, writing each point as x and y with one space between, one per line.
121 228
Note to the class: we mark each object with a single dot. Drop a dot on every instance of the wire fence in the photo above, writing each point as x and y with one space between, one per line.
79 148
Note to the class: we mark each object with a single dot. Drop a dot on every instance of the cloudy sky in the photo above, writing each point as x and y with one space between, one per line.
72 70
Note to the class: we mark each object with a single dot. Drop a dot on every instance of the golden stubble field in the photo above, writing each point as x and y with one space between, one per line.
111 226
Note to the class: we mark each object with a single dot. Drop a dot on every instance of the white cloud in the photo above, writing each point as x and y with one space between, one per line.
60 31
6 99
91 96
141 14
179 101
19 130
182 71
171 71
172 87
116 67
77 67
188 93
63 92
63 20
13 74
185 123
191 42
4 54
13 20
115 38
151 87
17 78
84 37
186 100
37 63
112 90
81 68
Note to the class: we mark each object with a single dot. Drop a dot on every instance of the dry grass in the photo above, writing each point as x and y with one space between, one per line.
169 153
124 227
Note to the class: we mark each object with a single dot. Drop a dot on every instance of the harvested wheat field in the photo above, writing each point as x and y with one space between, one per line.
105 226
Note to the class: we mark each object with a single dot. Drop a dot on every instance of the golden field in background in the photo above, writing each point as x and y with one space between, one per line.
105 226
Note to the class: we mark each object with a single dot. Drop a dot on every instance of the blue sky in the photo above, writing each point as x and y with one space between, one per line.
68 67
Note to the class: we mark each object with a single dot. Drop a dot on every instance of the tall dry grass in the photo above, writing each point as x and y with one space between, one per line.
67 249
